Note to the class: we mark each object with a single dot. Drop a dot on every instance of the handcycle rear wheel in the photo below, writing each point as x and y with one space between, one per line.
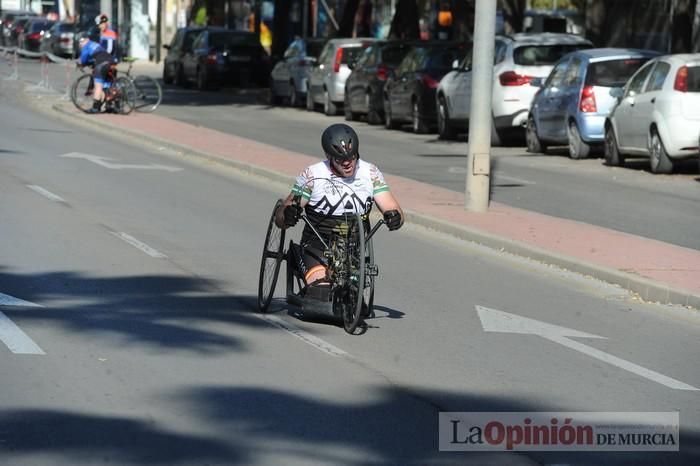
347 299
81 92
273 253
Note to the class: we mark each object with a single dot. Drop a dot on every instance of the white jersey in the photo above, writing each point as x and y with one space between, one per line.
329 194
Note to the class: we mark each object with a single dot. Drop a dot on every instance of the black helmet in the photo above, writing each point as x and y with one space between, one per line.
340 141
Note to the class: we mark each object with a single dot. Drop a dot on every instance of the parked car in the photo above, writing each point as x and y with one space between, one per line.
30 37
16 29
364 88
327 76
181 44
517 60
7 23
288 79
224 57
410 92
570 108
59 39
658 114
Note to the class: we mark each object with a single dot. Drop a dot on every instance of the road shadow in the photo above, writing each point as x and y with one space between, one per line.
171 312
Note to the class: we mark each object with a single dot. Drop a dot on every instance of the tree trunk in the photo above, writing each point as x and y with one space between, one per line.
280 29
347 21
404 25
682 26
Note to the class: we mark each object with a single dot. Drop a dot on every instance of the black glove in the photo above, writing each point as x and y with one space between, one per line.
392 218
291 215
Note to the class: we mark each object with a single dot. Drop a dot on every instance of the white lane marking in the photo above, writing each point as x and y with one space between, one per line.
46 193
139 245
306 337
105 162
15 339
497 176
493 320
7 300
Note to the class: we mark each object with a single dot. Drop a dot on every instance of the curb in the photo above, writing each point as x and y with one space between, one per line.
647 289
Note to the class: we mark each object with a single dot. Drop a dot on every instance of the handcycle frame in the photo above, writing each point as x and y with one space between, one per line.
346 268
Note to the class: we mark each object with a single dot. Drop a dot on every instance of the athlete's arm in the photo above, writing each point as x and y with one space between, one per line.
386 201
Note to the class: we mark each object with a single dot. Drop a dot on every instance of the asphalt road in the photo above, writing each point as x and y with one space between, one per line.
146 348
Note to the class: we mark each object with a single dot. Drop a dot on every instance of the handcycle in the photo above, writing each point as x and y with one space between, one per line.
348 256
116 94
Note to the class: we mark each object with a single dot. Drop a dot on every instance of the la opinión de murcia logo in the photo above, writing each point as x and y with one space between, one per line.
559 431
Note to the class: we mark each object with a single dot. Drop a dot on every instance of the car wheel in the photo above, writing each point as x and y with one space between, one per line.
201 80
347 110
167 79
389 121
578 148
419 124
310 106
534 144
293 95
660 163
445 129
374 117
329 108
613 157
496 135
180 77
273 98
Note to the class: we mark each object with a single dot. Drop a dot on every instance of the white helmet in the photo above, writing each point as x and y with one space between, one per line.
101 18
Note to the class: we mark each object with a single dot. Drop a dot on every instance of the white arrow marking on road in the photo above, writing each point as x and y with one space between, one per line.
14 338
105 162
493 320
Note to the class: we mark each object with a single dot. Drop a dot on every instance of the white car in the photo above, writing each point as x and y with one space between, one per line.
326 78
658 115
517 60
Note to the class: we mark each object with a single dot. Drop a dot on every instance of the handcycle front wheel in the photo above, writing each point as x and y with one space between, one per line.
347 299
273 253
147 93
81 93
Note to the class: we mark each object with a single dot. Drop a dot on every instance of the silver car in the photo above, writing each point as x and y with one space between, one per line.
288 77
328 75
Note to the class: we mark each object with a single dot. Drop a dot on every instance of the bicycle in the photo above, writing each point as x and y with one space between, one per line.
349 258
146 92
116 95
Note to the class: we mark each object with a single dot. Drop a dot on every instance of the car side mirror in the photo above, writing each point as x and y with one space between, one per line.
616 92
351 65
537 82
166 46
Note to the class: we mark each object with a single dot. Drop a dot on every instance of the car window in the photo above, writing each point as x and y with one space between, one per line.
499 53
540 55
442 58
612 73
392 56
407 63
313 49
177 38
693 78
66 27
658 76
199 41
292 50
40 26
556 77
351 54
573 72
636 83
365 58
325 53
220 40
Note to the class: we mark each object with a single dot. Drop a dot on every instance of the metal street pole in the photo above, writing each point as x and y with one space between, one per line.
480 120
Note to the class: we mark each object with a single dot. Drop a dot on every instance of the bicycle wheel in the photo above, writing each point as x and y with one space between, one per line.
147 94
123 103
81 92
273 253
349 296
370 275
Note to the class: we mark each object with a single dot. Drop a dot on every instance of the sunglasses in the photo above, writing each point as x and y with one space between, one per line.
341 160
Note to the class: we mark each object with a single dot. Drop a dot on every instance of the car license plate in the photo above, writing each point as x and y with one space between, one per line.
238 58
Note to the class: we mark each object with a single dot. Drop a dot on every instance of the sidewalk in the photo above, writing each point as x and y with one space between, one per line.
656 271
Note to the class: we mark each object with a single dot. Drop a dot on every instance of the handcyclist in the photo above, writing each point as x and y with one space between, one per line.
92 54
327 191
